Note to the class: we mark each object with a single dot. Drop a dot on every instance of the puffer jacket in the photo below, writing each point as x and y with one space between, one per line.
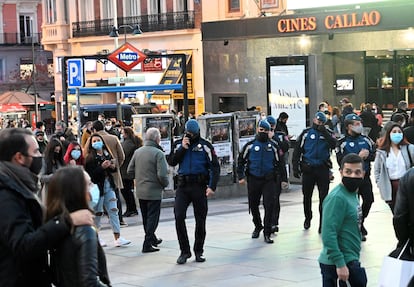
79 260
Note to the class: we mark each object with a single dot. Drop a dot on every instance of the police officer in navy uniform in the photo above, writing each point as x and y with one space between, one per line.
283 141
355 142
261 162
197 178
311 160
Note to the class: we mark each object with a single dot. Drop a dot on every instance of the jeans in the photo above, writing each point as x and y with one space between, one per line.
108 199
128 194
357 275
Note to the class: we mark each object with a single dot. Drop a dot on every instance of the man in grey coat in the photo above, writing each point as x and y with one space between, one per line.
149 168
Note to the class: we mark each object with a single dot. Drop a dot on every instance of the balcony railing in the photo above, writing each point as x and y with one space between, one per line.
148 23
19 39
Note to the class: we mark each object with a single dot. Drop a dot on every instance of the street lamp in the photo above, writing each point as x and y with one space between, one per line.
136 30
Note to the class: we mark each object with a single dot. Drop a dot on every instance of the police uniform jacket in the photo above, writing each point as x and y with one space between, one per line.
313 147
261 159
354 144
199 159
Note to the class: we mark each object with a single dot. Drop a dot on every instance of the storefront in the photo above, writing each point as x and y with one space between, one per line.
363 53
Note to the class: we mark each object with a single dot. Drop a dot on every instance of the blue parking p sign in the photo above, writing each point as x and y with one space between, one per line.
76 73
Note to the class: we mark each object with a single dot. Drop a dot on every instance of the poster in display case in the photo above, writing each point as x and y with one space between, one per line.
164 125
247 130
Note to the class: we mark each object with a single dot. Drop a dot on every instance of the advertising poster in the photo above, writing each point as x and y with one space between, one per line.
219 132
164 125
288 94
247 130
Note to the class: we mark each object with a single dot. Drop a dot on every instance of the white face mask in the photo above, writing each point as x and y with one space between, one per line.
357 129
108 128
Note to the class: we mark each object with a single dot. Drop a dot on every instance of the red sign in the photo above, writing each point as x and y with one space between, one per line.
151 65
126 57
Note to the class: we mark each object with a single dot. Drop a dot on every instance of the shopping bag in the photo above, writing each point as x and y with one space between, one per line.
397 271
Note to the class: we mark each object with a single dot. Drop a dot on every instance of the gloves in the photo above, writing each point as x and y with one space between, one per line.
297 173
322 128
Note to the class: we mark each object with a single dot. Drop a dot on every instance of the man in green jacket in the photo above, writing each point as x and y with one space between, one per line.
149 168
341 235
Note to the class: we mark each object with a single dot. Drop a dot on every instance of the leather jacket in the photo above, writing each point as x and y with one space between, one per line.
79 260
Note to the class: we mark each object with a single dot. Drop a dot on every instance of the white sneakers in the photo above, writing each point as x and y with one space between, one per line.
102 242
121 242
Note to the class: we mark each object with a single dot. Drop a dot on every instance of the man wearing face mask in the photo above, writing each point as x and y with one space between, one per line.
355 142
25 238
311 160
341 237
198 174
261 161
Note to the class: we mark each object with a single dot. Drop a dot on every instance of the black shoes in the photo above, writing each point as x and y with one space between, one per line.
130 213
274 229
157 242
256 231
320 230
307 224
200 258
267 239
149 249
183 258
363 230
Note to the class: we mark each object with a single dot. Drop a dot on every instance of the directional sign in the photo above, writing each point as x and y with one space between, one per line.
126 57
76 73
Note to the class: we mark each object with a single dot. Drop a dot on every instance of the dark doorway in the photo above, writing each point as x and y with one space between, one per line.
227 103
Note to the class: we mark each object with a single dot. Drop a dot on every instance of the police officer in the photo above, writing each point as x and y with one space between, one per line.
354 142
261 162
197 178
311 159
283 141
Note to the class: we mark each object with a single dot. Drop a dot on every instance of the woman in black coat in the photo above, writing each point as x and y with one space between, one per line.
129 145
79 259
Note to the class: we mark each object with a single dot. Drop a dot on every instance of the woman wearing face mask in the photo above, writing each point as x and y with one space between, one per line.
74 155
100 164
395 155
53 160
78 260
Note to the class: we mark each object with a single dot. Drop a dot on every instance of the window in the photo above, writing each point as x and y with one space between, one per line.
234 5
108 9
26 29
156 6
51 11
86 10
132 8
2 72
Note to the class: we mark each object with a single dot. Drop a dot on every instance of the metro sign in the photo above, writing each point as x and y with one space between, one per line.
126 57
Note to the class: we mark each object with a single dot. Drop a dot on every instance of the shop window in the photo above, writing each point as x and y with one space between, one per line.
234 6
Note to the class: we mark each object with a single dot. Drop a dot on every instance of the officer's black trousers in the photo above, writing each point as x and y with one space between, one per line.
365 192
256 188
320 176
194 193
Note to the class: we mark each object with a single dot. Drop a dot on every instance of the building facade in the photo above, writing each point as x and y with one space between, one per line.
82 27
370 46
24 64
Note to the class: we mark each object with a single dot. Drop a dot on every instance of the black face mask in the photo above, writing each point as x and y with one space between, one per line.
262 136
352 183
56 155
36 165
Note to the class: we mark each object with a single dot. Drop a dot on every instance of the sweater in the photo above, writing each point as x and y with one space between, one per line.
341 235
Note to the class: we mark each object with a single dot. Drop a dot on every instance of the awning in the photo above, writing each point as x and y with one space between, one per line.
12 108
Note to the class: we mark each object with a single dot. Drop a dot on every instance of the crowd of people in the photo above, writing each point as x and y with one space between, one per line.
48 183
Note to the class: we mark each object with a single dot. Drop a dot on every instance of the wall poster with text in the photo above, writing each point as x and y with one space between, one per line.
288 94
219 133
164 125
247 130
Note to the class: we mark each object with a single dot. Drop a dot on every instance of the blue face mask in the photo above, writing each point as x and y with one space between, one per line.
97 145
396 137
75 154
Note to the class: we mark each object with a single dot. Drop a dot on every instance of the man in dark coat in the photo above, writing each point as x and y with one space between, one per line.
24 239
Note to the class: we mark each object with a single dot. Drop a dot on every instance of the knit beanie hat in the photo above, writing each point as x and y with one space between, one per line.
265 125
192 127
